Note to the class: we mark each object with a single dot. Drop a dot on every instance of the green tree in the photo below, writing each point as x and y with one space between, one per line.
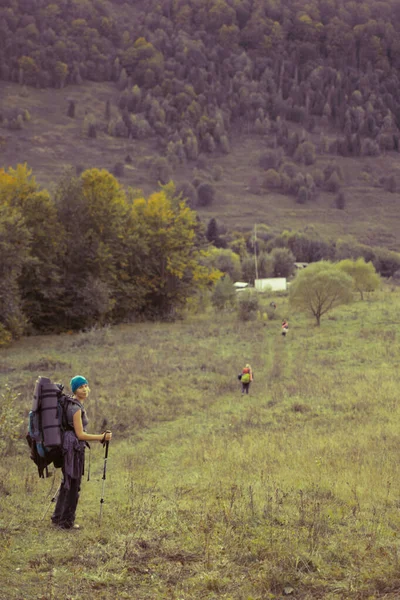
266 265
226 261
224 294
283 261
248 306
40 275
28 70
14 252
205 194
305 153
171 267
145 61
60 73
212 232
248 269
319 288
365 278
160 169
101 254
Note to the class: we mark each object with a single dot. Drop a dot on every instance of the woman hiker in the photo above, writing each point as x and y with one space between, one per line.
74 441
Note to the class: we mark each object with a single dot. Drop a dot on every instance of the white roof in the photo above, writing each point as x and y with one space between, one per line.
240 284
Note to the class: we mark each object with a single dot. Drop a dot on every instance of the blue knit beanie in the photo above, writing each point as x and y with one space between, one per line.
76 382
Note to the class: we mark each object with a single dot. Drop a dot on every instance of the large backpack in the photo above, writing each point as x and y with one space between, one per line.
245 377
47 423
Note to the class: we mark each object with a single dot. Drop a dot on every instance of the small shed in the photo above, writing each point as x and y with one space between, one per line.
276 284
240 286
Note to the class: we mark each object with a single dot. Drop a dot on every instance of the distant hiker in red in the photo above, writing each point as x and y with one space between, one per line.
246 378
285 328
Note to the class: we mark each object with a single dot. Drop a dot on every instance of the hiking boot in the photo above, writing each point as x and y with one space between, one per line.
74 527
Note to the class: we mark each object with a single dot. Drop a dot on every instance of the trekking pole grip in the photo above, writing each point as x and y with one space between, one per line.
106 451
103 439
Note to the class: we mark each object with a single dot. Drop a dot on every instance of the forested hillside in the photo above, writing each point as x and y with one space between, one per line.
190 71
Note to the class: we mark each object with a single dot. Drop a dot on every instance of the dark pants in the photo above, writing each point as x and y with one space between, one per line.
64 513
245 388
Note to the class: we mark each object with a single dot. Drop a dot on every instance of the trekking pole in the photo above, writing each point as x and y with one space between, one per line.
54 498
104 479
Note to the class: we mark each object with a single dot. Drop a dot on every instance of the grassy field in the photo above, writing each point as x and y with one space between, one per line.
292 491
52 142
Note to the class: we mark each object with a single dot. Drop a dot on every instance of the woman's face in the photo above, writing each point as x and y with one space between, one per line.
82 392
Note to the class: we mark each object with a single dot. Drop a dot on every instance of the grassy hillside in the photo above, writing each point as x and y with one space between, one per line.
292 490
51 142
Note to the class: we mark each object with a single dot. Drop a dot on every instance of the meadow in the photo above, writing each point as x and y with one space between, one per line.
292 491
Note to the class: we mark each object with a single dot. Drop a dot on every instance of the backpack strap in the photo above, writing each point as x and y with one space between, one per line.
63 404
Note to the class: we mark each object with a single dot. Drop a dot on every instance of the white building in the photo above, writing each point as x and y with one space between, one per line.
274 284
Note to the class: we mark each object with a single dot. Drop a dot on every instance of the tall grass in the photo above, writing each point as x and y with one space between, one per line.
293 490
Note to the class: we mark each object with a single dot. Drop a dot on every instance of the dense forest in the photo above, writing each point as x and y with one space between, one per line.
189 72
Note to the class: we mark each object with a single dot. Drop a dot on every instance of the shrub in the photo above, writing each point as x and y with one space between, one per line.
224 144
224 294
217 173
254 186
272 179
340 200
189 193
118 169
92 131
5 336
369 147
302 195
205 194
318 177
10 420
289 169
271 159
71 109
305 153
386 262
248 306
390 184
333 183
161 170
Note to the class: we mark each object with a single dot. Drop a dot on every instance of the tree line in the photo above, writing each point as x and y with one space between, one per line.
277 252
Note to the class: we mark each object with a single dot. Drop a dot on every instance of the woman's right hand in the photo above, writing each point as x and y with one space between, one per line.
105 437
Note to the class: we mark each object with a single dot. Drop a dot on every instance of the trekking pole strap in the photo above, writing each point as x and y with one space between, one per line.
103 439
